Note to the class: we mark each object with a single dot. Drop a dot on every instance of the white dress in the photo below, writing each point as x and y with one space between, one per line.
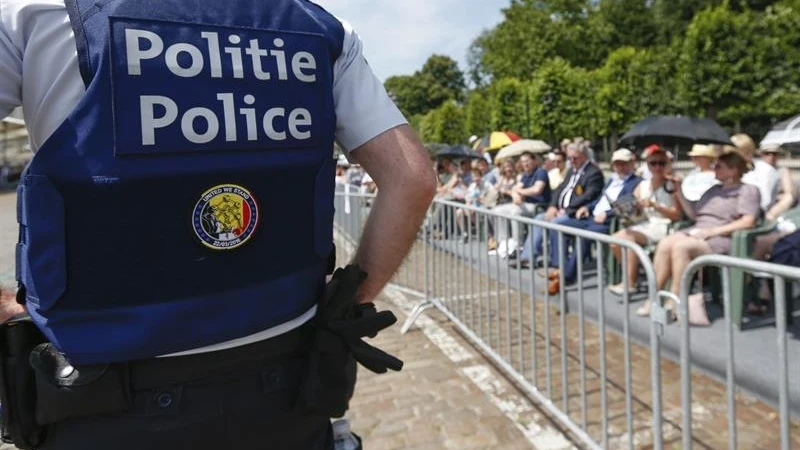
656 226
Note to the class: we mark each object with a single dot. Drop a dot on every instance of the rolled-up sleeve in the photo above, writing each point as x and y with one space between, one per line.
363 108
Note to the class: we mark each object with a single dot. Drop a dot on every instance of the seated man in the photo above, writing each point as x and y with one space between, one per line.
595 216
583 184
532 189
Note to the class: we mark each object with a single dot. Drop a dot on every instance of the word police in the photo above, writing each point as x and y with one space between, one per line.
200 125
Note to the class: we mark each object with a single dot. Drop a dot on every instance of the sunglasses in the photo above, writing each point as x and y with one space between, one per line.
657 163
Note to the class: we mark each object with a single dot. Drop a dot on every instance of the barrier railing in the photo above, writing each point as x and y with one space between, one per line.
780 275
570 351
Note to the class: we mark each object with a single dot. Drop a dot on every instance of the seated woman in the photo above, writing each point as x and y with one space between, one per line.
660 204
702 177
725 208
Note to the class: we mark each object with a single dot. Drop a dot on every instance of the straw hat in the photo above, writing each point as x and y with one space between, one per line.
771 148
703 150
744 146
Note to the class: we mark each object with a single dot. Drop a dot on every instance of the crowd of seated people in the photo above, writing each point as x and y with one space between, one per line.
730 188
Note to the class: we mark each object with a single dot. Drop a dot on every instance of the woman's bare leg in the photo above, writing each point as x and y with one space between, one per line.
662 260
683 253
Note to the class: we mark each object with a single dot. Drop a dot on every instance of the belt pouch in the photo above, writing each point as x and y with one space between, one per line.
18 337
68 392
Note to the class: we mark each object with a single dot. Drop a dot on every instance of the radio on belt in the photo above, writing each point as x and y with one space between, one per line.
186 60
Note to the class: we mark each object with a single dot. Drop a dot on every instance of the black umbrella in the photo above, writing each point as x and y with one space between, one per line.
675 130
459 151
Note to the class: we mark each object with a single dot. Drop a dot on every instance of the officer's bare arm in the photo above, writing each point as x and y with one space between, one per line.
401 168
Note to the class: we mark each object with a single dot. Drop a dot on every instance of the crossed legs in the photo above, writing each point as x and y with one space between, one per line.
673 255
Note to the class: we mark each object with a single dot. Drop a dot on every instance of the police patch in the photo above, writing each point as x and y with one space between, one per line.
225 217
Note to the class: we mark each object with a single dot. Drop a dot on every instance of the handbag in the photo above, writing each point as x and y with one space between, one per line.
627 208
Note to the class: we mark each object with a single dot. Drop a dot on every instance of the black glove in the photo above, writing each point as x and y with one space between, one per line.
337 345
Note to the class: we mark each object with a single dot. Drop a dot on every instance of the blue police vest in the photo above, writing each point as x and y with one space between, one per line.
188 198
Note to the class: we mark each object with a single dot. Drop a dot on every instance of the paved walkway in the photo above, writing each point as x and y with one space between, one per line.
446 397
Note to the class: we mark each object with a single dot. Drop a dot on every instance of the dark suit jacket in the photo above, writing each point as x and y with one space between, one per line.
588 189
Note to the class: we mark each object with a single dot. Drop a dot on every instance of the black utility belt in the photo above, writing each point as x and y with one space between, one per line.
39 386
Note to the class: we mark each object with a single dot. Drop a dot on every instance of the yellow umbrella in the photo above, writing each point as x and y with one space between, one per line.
494 141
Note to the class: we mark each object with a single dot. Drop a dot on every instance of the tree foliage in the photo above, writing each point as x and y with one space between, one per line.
560 104
556 68
438 81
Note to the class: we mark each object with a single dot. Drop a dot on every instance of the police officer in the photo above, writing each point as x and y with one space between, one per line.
176 218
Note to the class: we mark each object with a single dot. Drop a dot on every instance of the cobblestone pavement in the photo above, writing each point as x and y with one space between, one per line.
549 355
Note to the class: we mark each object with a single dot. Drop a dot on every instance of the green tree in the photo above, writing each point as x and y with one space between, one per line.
717 66
507 99
561 101
449 123
427 127
534 31
438 81
630 22
779 59
442 80
631 85
478 114
407 93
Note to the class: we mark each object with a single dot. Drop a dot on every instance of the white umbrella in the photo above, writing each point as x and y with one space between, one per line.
521 146
784 133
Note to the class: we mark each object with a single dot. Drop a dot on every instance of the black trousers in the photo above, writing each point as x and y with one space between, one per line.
243 398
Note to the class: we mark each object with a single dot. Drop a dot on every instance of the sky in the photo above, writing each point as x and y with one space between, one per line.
399 35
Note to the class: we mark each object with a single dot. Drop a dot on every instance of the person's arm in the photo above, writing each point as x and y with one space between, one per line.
537 188
786 199
742 223
673 212
686 206
398 163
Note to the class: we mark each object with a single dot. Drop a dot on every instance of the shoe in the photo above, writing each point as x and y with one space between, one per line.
512 255
465 238
554 286
617 289
550 274
522 264
492 244
644 310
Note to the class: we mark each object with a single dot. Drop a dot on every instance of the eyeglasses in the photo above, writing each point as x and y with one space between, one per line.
657 163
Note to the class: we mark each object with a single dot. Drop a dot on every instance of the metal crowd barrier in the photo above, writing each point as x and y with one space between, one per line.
577 366
780 275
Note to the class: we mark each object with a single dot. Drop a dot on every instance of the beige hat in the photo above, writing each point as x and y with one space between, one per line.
744 145
771 148
703 150
623 154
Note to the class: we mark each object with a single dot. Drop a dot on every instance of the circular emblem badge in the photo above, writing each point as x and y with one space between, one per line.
225 217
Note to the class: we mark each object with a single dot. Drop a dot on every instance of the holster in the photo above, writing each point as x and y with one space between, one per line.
67 392
340 326
18 337
39 386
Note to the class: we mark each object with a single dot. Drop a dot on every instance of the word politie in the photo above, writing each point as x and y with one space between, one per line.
185 60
